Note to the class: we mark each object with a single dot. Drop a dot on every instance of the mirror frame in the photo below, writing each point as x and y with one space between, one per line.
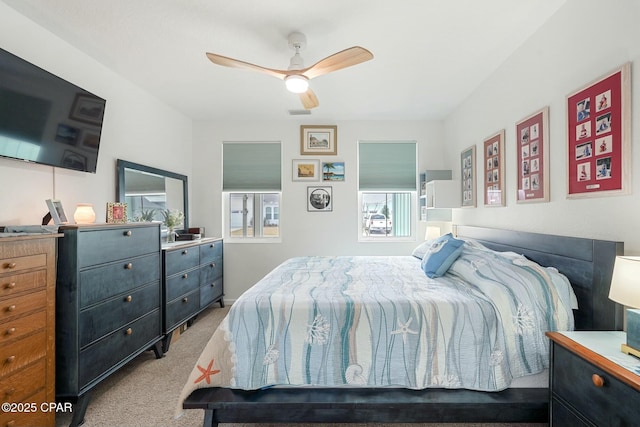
121 165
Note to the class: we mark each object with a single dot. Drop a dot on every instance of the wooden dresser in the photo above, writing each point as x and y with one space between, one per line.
108 304
592 382
27 328
193 280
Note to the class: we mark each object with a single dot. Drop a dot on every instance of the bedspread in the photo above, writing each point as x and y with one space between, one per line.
380 321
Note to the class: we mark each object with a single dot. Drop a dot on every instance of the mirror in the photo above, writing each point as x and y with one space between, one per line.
149 191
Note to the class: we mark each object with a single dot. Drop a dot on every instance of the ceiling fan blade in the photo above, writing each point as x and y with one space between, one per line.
236 63
309 99
343 59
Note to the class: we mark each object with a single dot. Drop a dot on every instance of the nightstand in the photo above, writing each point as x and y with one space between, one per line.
592 383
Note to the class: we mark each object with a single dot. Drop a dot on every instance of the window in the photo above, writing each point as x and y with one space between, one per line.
251 185
387 183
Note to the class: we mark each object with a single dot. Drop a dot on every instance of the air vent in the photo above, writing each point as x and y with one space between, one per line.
299 112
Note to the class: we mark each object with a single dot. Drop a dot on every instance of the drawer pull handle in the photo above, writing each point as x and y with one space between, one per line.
9 391
11 307
185 299
128 298
212 265
11 423
10 265
184 252
128 266
212 245
127 233
10 285
185 275
11 359
213 285
128 331
11 331
598 381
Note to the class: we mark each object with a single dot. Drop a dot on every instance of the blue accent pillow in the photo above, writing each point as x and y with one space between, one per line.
441 254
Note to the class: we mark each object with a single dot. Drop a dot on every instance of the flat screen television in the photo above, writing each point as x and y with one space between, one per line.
46 119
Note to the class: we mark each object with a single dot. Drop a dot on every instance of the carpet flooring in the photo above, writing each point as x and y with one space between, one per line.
144 392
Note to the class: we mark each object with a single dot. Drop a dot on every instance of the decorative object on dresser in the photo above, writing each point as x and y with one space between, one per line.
192 281
84 214
56 212
592 383
108 304
27 321
116 213
625 290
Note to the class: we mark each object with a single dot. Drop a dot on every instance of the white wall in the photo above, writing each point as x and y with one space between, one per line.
137 127
303 233
583 41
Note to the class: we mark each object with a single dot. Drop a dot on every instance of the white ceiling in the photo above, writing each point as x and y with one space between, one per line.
429 55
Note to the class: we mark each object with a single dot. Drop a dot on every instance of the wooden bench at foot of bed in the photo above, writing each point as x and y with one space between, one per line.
362 405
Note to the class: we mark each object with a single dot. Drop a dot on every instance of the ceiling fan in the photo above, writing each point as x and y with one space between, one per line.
297 77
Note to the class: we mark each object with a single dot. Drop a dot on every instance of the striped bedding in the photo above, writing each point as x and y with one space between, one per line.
379 321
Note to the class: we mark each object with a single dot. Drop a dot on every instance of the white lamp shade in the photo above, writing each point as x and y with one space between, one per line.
296 83
625 283
84 214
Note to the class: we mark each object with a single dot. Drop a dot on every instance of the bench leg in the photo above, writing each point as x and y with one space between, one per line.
208 419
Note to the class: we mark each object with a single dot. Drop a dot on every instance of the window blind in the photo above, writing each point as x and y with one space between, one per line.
387 166
251 166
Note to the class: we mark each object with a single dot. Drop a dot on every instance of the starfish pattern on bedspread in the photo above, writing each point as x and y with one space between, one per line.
206 373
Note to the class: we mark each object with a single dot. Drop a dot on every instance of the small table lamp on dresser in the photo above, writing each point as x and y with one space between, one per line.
625 289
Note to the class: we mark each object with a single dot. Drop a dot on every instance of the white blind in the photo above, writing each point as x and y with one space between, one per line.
251 166
387 166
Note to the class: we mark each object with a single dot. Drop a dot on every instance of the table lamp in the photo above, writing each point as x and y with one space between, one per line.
625 289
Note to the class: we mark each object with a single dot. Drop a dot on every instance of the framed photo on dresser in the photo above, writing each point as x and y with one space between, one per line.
599 136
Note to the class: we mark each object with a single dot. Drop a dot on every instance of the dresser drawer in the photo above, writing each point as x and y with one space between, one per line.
18 264
117 348
572 382
182 283
23 383
210 272
22 282
104 318
97 284
22 352
210 292
21 305
210 252
182 309
181 259
100 246
18 327
32 417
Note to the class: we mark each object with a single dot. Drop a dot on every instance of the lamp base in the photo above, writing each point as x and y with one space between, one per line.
630 350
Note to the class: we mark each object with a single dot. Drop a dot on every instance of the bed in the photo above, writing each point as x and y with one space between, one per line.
393 393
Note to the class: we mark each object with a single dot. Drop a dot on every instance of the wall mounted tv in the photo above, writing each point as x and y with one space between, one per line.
45 119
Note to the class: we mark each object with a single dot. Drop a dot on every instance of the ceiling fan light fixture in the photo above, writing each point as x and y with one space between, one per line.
296 83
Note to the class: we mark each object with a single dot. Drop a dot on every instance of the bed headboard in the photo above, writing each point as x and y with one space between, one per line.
587 263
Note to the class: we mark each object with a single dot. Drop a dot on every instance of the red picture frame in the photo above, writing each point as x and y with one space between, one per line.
598 136
494 188
532 134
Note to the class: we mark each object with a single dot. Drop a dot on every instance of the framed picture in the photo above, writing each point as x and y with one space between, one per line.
90 140
56 211
306 170
318 140
532 134
333 171
116 213
494 187
599 136
87 109
468 175
319 199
